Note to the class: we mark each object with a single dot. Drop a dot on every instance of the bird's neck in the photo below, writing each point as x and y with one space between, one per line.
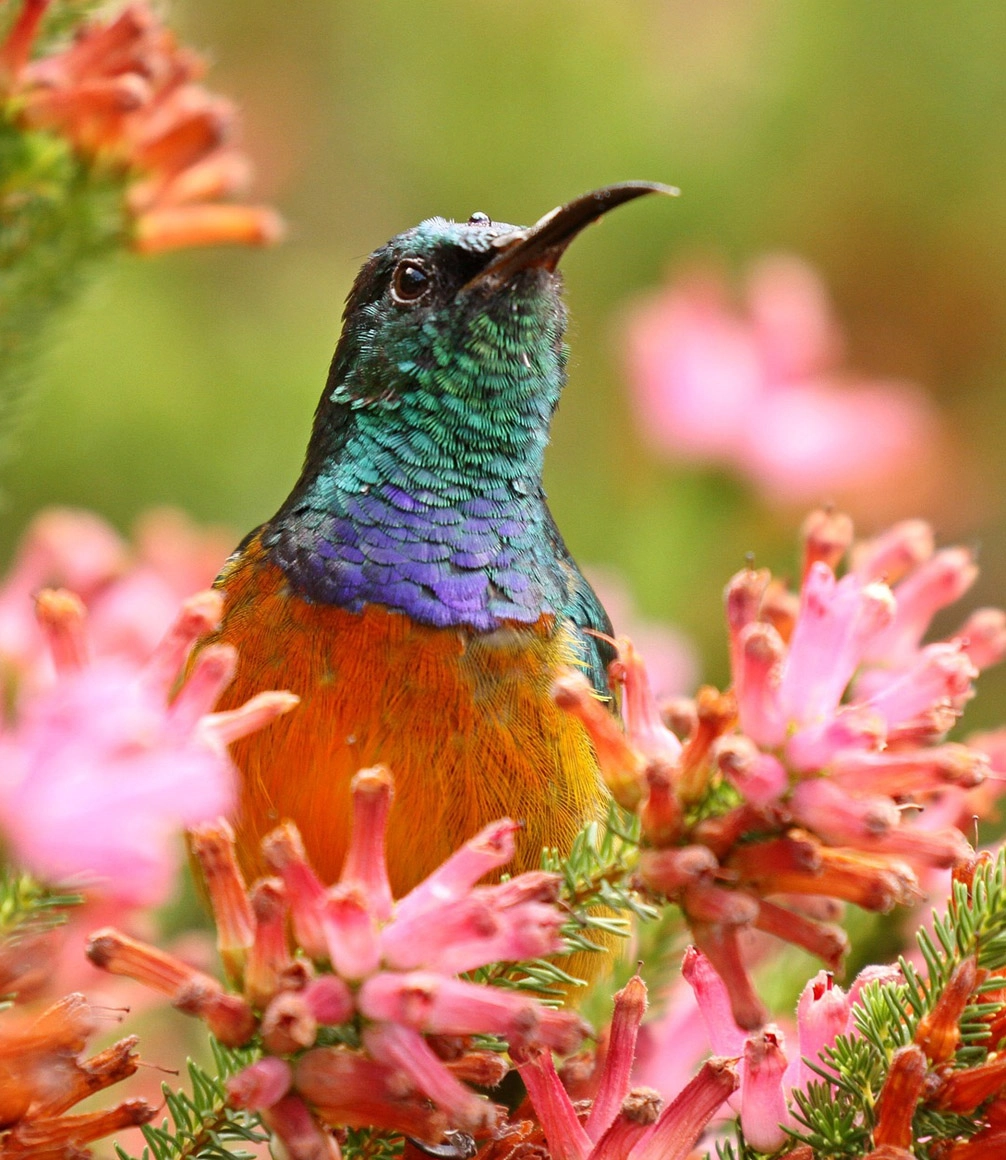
443 521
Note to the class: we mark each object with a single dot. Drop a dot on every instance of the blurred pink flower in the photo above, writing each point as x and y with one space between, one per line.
132 592
101 768
760 390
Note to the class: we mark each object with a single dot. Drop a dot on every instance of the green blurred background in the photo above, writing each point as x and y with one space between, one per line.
865 137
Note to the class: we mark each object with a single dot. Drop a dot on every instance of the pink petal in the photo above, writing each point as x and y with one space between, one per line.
490 849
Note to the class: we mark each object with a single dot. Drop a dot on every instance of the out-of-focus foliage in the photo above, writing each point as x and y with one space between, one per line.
865 138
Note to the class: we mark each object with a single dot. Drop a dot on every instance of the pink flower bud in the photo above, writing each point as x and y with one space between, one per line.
290 1121
942 673
669 870
61 616
328 999
725 1037
983 637
904 772
269 955
827 941
721 946
660 812
895 552
630 1006
288 1024
620 763
437 1005
347 1089
763 1104
365 869
827 535
757 674
759 777
213 848
260 1085
933 585
822 1013
567 1138
283 850
644 726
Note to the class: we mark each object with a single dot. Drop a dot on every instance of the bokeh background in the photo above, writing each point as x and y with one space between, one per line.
866 138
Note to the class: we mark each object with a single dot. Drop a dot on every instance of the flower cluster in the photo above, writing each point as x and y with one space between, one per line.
43 1075
101 767
617 1121
768 1072
760 390
125 95
794 785
366 1023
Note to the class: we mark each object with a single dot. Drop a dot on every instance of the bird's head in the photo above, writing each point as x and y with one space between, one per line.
455 330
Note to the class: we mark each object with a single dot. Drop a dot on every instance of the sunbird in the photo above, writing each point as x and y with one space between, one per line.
413 590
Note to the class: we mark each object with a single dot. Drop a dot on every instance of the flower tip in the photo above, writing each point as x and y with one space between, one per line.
61 615
373 782
827 536
200 613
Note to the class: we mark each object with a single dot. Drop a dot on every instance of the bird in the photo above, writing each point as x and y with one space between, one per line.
414 590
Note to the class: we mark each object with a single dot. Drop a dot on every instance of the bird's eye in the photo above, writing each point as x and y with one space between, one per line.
410 281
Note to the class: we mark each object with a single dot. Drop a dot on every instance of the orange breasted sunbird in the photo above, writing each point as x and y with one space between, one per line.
414 590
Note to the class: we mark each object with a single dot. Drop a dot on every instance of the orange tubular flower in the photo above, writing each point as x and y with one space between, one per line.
124 93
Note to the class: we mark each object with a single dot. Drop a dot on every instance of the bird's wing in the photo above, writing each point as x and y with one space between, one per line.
585 612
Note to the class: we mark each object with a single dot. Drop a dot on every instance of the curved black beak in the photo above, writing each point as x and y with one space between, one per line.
544 243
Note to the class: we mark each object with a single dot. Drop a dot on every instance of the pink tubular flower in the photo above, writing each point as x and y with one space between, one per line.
125 95
760 390
101 769
389 967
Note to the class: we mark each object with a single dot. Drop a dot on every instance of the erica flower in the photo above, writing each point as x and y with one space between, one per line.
124 94
793 784
759 389
101 769
619 1122
386 968
44 1074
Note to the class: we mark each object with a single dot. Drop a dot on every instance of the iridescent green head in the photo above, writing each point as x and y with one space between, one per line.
470 316
422 484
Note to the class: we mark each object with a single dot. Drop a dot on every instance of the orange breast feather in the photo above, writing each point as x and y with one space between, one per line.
464 722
